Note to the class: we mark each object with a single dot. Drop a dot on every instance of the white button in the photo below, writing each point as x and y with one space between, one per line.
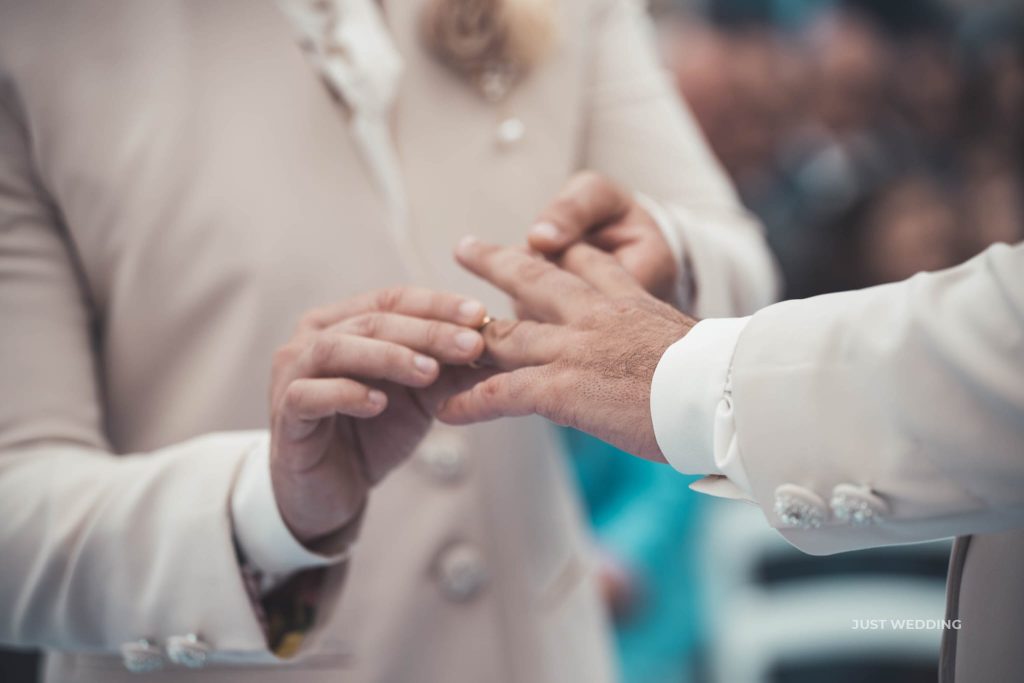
188 651
511 131
141 656
442 457
461 572
495 84
799 508
857 505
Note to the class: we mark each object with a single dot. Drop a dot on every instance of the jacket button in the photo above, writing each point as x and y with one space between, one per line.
188 651
140 656
511 131
799 508
461 572
857 505
443 458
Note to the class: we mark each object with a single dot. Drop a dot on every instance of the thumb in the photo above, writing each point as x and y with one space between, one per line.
588 201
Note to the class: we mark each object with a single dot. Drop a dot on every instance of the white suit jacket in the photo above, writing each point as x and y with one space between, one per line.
893 414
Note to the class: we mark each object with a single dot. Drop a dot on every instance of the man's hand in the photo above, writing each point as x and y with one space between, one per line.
353 393
591 208
586 356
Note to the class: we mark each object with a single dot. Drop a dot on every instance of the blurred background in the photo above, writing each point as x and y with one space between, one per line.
874 139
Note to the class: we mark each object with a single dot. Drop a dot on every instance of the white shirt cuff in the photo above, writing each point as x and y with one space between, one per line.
260 530
689 384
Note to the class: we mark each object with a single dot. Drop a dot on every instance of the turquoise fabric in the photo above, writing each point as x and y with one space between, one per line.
645 515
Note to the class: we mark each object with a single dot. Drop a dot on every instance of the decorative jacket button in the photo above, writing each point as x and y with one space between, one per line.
140 656
188 651
442 456
857 505
799 508
511 131
461 572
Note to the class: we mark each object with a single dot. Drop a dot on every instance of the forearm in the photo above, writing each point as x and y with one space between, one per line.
102 550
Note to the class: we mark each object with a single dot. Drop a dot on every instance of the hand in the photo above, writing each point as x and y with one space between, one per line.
594 209
586 356
354 392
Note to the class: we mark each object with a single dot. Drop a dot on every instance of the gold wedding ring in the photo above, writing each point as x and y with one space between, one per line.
487 321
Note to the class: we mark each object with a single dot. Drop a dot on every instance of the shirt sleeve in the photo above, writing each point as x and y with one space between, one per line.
691 407
261 532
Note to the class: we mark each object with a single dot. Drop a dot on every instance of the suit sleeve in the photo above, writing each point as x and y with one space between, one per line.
640 133
888 415
96 550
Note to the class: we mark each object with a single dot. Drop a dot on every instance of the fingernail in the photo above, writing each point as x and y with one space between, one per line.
376 397
425 364
546 230
470 310
467 340
466 244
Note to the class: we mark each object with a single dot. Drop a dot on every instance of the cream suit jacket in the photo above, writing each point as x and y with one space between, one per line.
176 188
891 415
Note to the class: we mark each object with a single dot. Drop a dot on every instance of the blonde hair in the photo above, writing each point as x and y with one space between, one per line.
480 37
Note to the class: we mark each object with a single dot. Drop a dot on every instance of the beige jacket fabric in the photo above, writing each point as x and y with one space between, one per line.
176 188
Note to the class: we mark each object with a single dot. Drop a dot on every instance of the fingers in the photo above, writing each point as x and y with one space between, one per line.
334 354
447 342
589 200
411 301
310 399
542 289
507 394
599 269
513 344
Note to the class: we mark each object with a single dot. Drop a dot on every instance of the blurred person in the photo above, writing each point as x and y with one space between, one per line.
179 183
992 203
912 227
851 63
888 415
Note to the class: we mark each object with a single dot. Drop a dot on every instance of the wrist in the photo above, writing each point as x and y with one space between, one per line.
319 503
259 528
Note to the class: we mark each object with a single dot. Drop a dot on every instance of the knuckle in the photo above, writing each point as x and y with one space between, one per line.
572 210
398 356
434 334
309 320
285 356
366 325
502 330
323 350
532 269
388 299
293 397
494 388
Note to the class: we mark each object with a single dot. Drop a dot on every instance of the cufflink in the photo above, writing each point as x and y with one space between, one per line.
188 651
857 505
141 656
799 508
